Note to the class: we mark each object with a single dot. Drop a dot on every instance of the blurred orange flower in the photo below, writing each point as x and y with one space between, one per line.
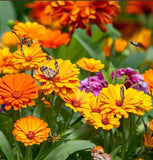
17 90
107 46
151 125
64 80
148 78
31 130
148 139
90 64
120 45
32 58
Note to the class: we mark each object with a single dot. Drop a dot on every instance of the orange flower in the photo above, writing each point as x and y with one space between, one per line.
32 58
120 45
65 78
151 125
6 63
17 90
107 47
78 14
139 7
10 39
148 139
53 39
148 78
90 64
31 130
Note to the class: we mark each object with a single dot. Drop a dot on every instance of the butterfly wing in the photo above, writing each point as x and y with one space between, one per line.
106 156
56 67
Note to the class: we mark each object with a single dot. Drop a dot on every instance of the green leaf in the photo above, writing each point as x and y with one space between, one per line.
65 149
133 60
5 146
112 31
107 77
7 12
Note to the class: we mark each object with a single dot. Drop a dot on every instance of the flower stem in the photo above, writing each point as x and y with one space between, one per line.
28 153
69 120
105 141
31 73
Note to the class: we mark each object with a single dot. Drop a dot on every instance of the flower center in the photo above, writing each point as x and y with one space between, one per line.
76 103
30 135
118 103
28 59
97 110
16 94
105 121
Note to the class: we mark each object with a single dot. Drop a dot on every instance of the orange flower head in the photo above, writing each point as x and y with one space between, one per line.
139 7
54 39
54 77
148 139
148 78
31 130
151 125
9 39
6 63
90 64
33 56
120 45
107 48
17 90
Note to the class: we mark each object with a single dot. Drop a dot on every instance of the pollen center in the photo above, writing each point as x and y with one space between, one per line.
28 59
105 121
30 135
97 110
118 103
16 94
76 103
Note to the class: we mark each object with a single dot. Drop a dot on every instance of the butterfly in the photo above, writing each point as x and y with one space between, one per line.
97 153
23 41
48 72
122 94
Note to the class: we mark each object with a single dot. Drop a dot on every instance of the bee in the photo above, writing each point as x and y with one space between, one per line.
136 44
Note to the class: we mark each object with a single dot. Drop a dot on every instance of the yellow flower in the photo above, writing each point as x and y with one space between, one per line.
31 130
148 78
120 45
6 63
90 64
112 100
148 139
33 56
64 80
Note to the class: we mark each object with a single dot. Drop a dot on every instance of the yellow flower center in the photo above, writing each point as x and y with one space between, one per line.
16 94
30 135
105 121
76 103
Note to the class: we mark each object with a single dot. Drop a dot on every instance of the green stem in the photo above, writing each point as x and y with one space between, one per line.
69 120
105 141
20 112
31 73
28 153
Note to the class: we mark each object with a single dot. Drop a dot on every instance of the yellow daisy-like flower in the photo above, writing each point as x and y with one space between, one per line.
113 100
63 82
77 100
6 63
10 39
148 139
31 130
33 56
90 64
148 78
120 45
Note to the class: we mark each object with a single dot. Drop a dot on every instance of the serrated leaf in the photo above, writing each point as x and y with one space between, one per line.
5 146
65 149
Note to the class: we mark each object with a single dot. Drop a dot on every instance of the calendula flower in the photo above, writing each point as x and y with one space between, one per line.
17 90
148 78
31 130
80 14
90 64
32 57
9 39
120 45
148 139
6 63
107 47
77 100
54 39
139 7
122 101
59 79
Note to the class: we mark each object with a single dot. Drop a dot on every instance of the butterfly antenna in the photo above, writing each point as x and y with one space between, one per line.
17 36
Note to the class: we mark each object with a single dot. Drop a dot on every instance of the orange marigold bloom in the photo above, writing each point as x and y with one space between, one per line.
32 58
64 81
113 100
10 39
6 63
120 45
31 130
148 139
90 64
17 90
53 39
139 7
151 125
148 78
77 100
80 14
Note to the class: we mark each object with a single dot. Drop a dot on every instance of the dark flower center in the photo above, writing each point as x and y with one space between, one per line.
28 59
118 103
30 135
97 110
16 94
105 121
76 103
